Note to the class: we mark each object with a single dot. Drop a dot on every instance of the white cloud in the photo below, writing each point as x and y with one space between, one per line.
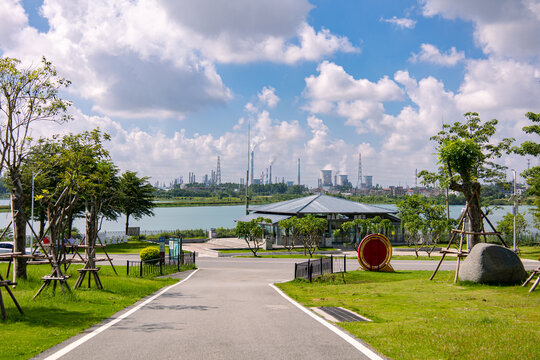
153 58
502 89
268 96
430 53
506 28
404 23
334 91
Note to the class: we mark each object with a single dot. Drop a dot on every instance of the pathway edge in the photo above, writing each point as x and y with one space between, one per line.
104 327
342 334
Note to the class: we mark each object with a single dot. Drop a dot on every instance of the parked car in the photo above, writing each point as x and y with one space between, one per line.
7 247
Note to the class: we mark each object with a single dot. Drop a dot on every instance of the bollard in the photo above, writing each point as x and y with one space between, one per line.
127 267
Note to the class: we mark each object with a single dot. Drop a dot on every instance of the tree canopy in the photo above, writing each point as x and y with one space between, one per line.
135 196
467 156
27 95
532 175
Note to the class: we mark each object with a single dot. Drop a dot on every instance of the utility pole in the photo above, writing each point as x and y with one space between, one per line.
247 171
514 233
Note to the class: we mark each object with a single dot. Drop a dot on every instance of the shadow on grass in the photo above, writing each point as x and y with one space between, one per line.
39 315
366 277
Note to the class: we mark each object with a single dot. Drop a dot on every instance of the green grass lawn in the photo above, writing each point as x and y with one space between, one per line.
529 252
131 247
281 250
284 256
51 319
414 318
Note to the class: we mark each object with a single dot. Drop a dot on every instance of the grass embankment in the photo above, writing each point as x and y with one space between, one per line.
414 318
224 201
50 319
529 252
131 247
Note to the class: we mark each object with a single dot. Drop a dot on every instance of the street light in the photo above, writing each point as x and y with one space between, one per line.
515 212
32 209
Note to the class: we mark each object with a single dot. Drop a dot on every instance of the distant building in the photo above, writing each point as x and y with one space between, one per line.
326 177
343 180
368 182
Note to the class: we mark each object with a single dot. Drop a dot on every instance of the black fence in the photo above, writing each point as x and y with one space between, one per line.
326 265
159 266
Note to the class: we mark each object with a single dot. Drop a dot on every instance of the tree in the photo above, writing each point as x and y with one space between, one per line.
532 175
26 96
506 225
423 221
312 229
252 232
135 196
467 156
292 232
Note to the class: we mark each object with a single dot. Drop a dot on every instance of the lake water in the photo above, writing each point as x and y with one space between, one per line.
206 217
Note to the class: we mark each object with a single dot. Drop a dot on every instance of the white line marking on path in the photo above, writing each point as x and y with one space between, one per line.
85 338
358 345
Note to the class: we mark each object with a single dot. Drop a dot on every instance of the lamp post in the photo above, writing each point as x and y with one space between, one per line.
34 174
515 212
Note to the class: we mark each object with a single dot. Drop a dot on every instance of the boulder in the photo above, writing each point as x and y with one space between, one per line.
492 264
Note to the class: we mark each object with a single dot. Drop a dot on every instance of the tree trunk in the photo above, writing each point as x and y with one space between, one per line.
19 228
41 225
69 224
127 223
471 191
91 233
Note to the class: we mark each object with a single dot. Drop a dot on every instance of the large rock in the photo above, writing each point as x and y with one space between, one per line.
492 264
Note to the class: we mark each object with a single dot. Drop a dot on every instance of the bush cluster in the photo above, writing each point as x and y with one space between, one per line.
149 253
187 234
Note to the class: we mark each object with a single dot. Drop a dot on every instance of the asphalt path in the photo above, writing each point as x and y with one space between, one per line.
226 310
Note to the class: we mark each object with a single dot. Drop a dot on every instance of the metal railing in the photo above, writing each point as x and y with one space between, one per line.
159 266
326 265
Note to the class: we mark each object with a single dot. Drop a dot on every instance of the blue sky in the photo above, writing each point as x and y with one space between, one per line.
175 83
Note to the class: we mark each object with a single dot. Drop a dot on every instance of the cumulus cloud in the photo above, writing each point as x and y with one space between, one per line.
430 53
154 58
360 101
403 23
268 96
506 28
503 89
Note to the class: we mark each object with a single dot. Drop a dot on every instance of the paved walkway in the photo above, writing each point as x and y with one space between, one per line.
226 310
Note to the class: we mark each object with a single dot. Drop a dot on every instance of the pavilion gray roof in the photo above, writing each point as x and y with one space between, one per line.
275 218
320 204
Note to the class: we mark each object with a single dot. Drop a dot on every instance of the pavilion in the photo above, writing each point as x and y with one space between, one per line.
335 210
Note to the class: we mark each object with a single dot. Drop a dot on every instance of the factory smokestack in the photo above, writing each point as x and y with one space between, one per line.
270 175
298 172
251 180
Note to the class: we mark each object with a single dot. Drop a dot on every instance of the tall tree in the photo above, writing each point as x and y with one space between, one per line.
135 196
467 156
532 175
27 95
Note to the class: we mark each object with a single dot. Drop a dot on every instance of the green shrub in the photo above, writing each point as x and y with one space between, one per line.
149 253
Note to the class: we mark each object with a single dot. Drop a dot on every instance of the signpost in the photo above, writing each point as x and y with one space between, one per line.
162 248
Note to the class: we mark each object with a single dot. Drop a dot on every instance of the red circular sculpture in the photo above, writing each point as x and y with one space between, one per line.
375 252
